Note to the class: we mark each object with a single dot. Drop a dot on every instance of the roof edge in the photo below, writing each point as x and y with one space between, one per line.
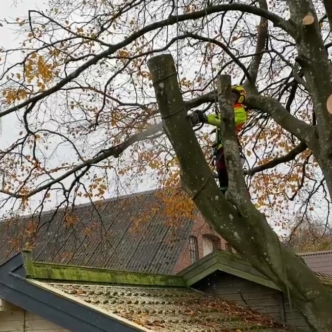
235 265
103 201
70 273
69 297
228 263
314 253
70 315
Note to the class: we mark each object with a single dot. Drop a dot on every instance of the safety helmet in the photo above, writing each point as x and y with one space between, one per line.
240 92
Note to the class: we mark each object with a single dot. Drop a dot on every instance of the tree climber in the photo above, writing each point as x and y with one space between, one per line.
238 95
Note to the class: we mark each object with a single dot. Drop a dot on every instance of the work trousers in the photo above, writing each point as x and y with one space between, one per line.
222 169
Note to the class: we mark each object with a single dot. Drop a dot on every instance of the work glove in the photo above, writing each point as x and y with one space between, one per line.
197 117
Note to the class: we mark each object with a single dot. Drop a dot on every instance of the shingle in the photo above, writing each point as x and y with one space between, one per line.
130 233
169 309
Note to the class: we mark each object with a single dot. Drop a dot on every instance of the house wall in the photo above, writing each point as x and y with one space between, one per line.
18 320
200 229
293 316
246 293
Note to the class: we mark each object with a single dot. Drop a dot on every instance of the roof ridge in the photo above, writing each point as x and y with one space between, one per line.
315 253
324 275
69 273
107 200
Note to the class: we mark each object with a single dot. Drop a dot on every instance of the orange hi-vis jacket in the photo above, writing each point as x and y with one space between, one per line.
240 119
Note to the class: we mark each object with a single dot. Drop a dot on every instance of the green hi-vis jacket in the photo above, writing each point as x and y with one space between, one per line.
240 119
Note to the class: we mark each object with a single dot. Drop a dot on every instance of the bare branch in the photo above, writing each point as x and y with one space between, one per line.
277 161
271 106
114 151
261 41
277 20
328 7
225 48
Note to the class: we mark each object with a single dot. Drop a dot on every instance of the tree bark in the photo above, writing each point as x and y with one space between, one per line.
245 228
314 61
260 45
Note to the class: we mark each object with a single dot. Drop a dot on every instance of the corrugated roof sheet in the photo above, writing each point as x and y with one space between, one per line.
319 261
167 309
132 233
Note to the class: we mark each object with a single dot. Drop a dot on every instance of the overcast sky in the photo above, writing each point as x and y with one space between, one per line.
10 10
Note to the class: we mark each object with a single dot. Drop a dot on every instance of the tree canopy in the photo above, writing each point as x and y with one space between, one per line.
309 235
80 84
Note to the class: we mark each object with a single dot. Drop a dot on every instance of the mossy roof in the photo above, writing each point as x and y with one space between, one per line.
165 309
148 302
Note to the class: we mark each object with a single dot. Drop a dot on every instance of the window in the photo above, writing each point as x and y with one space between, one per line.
193 249
210 243
207 245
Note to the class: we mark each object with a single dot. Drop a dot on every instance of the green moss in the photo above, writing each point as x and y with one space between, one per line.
219 260
28 262
50 271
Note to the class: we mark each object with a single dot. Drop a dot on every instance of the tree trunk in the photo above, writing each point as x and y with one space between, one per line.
246 229
314 61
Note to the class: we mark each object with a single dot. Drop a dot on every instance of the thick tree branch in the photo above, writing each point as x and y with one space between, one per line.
314 61
246 231
206 98
237 185
260 46
277 161
300 129
149 133
279 114
196 176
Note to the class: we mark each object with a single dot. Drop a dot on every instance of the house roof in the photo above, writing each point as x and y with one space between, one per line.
134 233
319 261
235 265
226 262
118 301
165 309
